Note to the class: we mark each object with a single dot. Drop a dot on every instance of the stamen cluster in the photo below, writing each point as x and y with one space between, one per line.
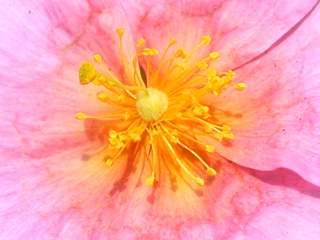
162 111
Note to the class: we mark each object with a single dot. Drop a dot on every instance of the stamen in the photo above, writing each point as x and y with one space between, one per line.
208 148
98 58
150 52
163 111
87 73
124 60
198 180
81 116
210 170
214 55
152 178
240 86
109 117
206 40
141 42
120 32
110 160
163 58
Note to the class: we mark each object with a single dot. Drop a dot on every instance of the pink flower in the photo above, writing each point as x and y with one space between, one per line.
59 179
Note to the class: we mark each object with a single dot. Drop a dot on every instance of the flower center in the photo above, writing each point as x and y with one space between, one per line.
151 104
141 124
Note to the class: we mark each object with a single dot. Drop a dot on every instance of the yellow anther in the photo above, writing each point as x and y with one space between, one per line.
214 55
211 172
201 111
98 58
141 42
102 96
87 73
228 136
120 98
99 79
217 84
212 77
240 86
202 65
226 128
218 136
174 139
208 129
150 52
135 136
182 65
199 181
172 41
206 40
81 116
230 74
209 148
155 132
181 53
120 32
113 133
150 181
116 140
212 72
109 162
225 133
205 109
110 83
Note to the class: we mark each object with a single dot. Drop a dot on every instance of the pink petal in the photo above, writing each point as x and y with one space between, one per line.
49 191
62 197
40 56
280 109
240 29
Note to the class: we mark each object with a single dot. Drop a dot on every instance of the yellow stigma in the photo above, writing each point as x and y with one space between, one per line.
141 126
151 104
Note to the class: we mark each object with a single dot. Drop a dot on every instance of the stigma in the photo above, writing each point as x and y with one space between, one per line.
158 108
151 104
